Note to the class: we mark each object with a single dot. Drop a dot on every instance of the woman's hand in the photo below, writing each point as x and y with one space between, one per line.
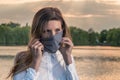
66 50
36 48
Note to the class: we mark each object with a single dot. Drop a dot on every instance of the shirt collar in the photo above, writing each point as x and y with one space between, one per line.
54 55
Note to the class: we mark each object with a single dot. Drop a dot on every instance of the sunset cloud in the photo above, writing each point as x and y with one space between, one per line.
27 1
82 16
109 2
98 14
17 1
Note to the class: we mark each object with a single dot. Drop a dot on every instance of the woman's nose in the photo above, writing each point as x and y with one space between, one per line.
53 33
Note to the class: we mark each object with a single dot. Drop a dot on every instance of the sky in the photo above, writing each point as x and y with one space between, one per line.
84 14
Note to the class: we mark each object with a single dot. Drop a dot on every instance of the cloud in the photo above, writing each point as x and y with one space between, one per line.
28 1
18 1
83 14
109 2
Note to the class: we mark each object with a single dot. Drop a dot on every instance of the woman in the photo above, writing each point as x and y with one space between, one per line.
49 50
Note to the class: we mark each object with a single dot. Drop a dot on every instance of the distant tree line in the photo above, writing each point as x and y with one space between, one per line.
109 37
13 34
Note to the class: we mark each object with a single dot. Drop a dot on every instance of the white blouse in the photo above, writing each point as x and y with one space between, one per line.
52 67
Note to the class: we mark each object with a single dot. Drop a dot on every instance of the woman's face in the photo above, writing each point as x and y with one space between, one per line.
53 27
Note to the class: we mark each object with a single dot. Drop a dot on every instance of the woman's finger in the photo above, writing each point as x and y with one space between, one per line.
41 47
36 43
66 38
67 41
37 49
32 42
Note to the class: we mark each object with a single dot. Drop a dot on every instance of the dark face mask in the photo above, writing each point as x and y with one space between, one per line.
52 44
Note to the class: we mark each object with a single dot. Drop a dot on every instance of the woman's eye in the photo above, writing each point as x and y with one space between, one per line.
57 30
48 31
44 31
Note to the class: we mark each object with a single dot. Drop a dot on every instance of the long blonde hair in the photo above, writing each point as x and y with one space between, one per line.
24 59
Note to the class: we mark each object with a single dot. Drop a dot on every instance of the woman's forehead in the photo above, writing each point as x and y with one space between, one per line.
53 24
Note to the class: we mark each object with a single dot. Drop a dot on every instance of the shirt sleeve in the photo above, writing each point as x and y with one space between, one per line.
28 74
71 71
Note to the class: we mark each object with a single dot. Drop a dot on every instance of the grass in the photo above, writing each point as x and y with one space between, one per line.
92 63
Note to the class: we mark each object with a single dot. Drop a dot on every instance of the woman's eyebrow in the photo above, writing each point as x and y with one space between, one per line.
57 29
47 29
